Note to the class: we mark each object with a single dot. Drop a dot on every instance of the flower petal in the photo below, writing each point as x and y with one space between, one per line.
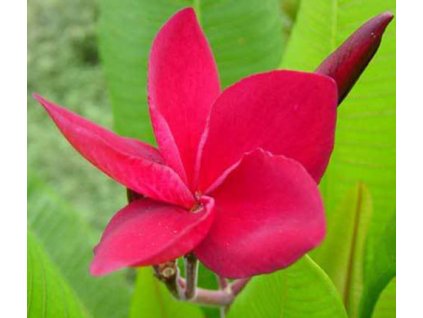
132 163
147 232
183 83
285 112
269 213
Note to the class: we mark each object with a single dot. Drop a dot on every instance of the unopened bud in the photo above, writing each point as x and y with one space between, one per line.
348 61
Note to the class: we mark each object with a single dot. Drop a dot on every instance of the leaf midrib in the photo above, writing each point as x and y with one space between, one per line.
353 248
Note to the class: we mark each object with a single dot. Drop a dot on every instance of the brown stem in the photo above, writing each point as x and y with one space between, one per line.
191 269
168 273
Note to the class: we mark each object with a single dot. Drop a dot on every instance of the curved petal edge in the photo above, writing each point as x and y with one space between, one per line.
134 164
269 213
288 113
147 232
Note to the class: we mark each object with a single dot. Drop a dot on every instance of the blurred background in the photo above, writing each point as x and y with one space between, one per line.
64 66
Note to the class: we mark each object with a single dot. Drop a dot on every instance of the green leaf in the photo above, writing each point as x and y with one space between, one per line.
48 294
386 305
347 230
246 37
365 137
302 290
69 241
379 265
152 299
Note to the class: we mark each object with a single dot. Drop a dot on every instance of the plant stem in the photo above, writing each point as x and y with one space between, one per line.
187 290
238 285
191 269
168 273
208 297
223 285
215 298
222 281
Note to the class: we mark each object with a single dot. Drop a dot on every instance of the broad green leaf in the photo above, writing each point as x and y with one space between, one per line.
302 290
48 294
246 37
152 299
69 241
347 230
365 138
379 265
386 304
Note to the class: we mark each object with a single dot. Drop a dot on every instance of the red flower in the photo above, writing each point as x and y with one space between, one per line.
234 178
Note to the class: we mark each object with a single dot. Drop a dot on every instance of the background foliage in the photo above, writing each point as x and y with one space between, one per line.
352 273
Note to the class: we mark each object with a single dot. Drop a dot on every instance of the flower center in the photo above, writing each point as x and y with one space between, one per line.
198 205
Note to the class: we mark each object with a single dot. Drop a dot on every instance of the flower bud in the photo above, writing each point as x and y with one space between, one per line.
348 61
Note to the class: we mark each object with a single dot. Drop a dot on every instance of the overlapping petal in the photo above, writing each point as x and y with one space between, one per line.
134 164
268 214
182 86
286 112
147 232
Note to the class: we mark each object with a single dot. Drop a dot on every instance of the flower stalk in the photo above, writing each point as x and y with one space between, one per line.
191 268
168 273
185 289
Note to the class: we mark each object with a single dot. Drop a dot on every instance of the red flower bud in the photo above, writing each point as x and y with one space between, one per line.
348 61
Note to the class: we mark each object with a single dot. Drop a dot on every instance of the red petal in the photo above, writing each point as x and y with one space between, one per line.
268 214
134 164
183 84
347 62
285 112
147 232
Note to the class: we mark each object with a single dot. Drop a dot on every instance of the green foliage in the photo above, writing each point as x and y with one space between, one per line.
386 305
49 296
365 137
63 66
246 37
151 299
302 290
69 240
347 231
379 264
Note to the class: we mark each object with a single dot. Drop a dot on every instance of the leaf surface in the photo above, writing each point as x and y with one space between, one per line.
48 294
246 37
302 290
379 265
68 240
346 236
152 299
386 304
365 137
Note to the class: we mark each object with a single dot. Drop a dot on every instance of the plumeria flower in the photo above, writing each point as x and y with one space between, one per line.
234 178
